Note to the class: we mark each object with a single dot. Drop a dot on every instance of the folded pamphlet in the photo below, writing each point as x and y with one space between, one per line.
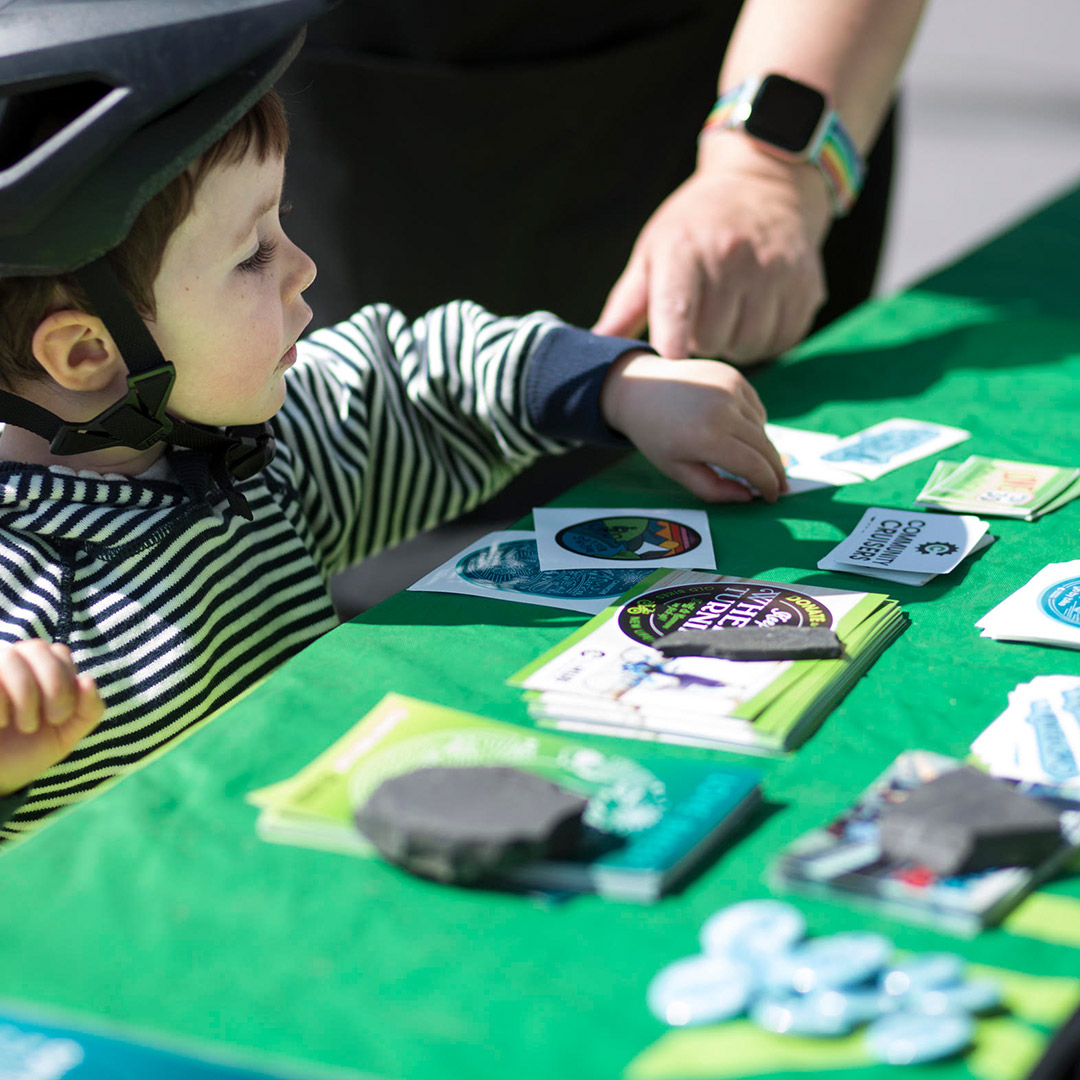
844 861
650 821
607 678
1000 488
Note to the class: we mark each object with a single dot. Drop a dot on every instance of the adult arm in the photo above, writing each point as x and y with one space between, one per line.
730 263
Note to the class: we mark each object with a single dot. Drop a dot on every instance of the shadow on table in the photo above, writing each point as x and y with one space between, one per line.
909 368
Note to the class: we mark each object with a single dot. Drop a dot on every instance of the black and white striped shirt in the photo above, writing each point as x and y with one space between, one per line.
176 605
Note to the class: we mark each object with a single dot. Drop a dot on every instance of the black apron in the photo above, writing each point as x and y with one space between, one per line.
506 153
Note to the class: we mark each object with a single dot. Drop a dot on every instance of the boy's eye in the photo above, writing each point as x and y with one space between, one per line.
264 255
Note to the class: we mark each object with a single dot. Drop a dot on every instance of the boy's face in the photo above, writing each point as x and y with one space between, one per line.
229 305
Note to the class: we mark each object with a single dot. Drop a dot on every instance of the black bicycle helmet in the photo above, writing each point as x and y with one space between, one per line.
135 90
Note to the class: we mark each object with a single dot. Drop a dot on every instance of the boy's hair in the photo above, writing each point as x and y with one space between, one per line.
26 301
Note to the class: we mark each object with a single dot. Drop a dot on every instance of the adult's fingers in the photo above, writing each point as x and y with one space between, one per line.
626 307
760 314
796 318
674 302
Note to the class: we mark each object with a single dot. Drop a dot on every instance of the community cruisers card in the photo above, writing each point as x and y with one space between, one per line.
906 542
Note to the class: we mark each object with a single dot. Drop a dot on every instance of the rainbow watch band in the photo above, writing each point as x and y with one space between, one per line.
831 149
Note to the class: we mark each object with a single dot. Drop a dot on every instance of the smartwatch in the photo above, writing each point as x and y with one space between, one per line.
795 122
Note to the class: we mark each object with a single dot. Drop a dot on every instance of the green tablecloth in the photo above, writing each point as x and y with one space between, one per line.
156 905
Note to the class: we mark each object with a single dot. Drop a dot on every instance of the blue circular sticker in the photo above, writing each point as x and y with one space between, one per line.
1062 601
514 566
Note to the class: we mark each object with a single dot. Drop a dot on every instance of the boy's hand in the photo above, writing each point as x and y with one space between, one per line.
685 415
46 707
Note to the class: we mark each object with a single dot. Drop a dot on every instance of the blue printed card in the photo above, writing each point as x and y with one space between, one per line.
886 446
1037 738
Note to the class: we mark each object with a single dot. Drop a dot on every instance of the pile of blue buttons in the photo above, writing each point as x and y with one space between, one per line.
757 961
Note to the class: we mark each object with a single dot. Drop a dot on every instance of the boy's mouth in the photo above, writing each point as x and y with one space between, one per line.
289 358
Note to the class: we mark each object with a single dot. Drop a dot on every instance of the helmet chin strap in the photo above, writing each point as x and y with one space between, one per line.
138 420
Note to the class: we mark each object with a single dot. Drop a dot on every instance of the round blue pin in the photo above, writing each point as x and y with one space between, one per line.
973 996
753 929
829 963
826 1013
923 972
700 990
909 1039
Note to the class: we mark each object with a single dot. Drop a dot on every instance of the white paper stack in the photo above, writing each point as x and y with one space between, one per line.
607 679
1037 738
1045 611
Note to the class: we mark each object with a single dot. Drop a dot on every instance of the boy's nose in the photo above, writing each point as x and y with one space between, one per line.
301 275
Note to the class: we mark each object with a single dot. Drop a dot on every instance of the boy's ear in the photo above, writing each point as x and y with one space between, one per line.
77 351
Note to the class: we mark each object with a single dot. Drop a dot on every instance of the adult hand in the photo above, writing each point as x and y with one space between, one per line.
46 707
688 415
730 263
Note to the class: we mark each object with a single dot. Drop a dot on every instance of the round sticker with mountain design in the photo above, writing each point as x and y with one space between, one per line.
629 539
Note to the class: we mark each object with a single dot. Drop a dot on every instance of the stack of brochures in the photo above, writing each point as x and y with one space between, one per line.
608 679
843 860
650 821
1016 489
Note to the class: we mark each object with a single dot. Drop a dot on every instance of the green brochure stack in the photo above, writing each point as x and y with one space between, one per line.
651 819
607 679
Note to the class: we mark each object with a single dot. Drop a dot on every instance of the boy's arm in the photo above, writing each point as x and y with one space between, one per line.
683 415
393 426
687 415
46 707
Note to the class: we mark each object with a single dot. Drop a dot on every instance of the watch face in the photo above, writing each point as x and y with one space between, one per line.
785 113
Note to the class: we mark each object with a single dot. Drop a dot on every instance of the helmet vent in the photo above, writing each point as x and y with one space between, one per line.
30 119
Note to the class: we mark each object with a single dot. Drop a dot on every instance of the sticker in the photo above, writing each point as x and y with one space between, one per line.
505 566
1055 757
1062 601
713 606
899 540
881 447
569 538
513 566
629 539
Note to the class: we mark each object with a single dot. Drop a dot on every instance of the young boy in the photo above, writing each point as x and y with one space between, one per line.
141 587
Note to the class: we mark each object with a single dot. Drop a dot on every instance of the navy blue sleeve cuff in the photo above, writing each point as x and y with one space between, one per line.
9 804
563 381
